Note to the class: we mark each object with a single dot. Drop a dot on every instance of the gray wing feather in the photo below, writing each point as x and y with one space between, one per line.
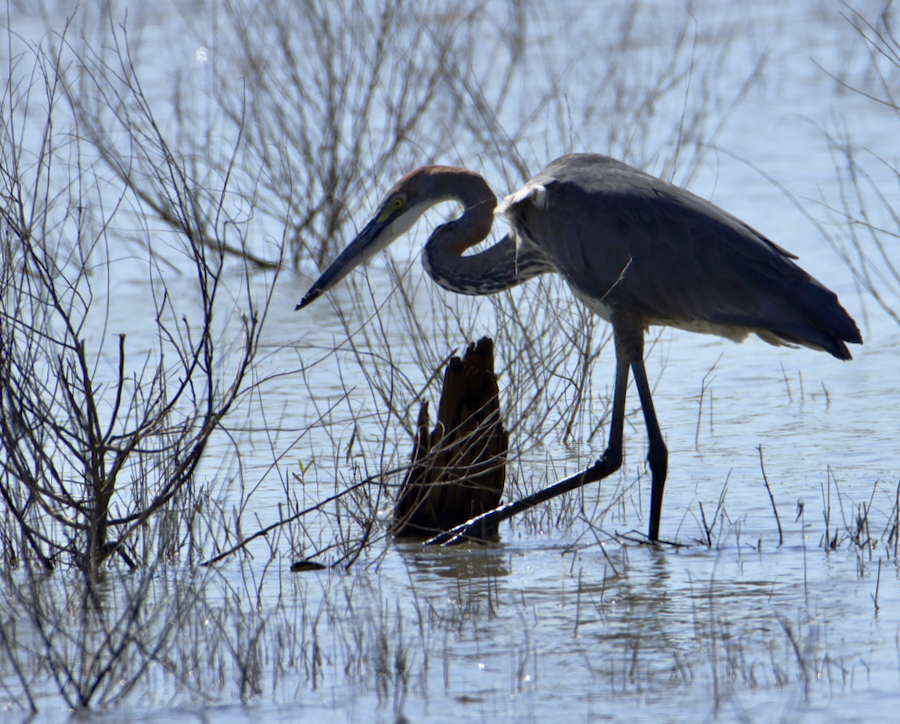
687 260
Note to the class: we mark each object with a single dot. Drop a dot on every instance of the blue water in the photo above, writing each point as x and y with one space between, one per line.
569 622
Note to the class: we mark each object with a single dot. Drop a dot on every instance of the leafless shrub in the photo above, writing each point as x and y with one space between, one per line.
89 457
100 446
863 224
304 105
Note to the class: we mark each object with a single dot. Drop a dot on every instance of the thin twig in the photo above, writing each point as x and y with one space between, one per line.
771 497
877 586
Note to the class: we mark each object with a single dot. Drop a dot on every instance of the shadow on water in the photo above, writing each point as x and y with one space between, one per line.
468 562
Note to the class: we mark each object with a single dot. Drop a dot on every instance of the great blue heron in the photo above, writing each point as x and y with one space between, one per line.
636 250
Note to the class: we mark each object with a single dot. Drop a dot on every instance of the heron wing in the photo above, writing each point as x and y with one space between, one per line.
623 237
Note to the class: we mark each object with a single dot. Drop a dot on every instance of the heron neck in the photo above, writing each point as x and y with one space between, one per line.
473 192
499 267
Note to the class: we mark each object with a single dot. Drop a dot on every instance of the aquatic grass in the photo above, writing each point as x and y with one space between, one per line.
274 632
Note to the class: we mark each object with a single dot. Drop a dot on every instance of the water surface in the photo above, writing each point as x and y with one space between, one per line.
570 622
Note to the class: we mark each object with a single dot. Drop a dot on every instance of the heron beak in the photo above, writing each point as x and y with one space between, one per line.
372 239
385 228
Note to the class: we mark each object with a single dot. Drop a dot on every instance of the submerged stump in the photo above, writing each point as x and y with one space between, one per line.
458 469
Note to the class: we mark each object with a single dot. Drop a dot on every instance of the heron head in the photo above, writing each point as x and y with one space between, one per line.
398 212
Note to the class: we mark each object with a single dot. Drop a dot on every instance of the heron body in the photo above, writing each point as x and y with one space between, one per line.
636 250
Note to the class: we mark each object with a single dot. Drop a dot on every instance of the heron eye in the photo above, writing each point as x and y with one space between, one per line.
397 203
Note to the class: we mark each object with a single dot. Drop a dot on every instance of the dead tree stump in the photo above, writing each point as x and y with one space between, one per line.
458 470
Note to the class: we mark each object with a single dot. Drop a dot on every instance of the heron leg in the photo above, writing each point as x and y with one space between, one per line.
611 460
658 455
629 338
